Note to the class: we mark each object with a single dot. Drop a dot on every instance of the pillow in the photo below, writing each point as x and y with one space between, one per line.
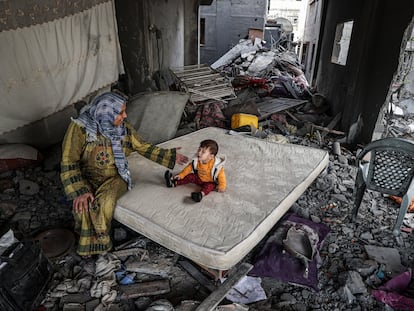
15 156
276 261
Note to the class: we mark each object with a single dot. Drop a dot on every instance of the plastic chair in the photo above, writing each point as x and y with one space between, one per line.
390 170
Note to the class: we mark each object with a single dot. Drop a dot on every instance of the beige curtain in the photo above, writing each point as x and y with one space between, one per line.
46 67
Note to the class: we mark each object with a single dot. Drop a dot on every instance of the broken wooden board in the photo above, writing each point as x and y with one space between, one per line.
217 296
150 288
197 275
274 105
332 124
160 267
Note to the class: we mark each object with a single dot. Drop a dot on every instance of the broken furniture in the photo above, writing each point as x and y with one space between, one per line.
25 273
264 179
386 165
203 83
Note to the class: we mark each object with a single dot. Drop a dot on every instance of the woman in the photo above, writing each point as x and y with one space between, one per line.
94 169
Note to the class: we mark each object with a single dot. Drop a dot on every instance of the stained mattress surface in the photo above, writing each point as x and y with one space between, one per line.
263 180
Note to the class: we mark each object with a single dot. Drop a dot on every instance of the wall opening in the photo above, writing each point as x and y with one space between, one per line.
202 31
341 43
396 118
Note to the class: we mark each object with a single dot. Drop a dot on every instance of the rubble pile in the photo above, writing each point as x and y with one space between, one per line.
357 257
277 72
269 84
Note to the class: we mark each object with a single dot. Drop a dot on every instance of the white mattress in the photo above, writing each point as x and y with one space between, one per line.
263 180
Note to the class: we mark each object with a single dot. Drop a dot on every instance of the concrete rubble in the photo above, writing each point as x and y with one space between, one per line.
352 254
356 257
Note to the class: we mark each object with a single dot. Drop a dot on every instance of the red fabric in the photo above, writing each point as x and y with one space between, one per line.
13 164
206 187
210 115
395 292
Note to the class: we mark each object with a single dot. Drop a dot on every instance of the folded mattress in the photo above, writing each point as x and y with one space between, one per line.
263 180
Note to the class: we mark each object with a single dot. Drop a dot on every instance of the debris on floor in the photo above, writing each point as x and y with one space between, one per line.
353 265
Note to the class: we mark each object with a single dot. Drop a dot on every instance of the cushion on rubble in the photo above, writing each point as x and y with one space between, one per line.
397 292
15 156
275 261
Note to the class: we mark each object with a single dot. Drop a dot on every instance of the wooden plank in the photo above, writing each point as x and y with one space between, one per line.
217 296
216 93
207 86
203 96
129 252
150 288
207 81
184 75
192 71
203 82
209 76
321 128
332 124
194 75
190 68
197 275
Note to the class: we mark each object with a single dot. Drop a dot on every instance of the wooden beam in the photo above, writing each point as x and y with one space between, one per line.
212 301
197 275
150 288
333 123
325 129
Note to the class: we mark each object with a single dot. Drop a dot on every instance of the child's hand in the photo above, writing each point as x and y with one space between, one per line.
176 177
221 190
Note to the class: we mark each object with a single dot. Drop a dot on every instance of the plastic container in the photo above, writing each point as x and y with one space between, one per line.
241 119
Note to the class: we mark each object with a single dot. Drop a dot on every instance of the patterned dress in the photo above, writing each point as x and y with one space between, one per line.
90 167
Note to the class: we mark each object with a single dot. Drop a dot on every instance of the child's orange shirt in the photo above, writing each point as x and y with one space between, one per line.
204 171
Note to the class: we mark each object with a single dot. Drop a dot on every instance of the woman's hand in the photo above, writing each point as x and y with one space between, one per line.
81 203
180 158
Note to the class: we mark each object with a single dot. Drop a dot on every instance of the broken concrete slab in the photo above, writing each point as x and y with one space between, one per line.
160 267
156 115
387 256
243 47
150 288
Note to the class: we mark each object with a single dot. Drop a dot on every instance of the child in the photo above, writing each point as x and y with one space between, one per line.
206 170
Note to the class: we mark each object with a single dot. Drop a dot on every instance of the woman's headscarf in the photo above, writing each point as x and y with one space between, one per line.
99 117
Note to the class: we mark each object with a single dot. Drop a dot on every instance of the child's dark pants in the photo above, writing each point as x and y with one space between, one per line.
206 187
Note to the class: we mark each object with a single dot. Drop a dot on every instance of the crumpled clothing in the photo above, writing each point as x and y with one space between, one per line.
398 292
105 264
210 115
